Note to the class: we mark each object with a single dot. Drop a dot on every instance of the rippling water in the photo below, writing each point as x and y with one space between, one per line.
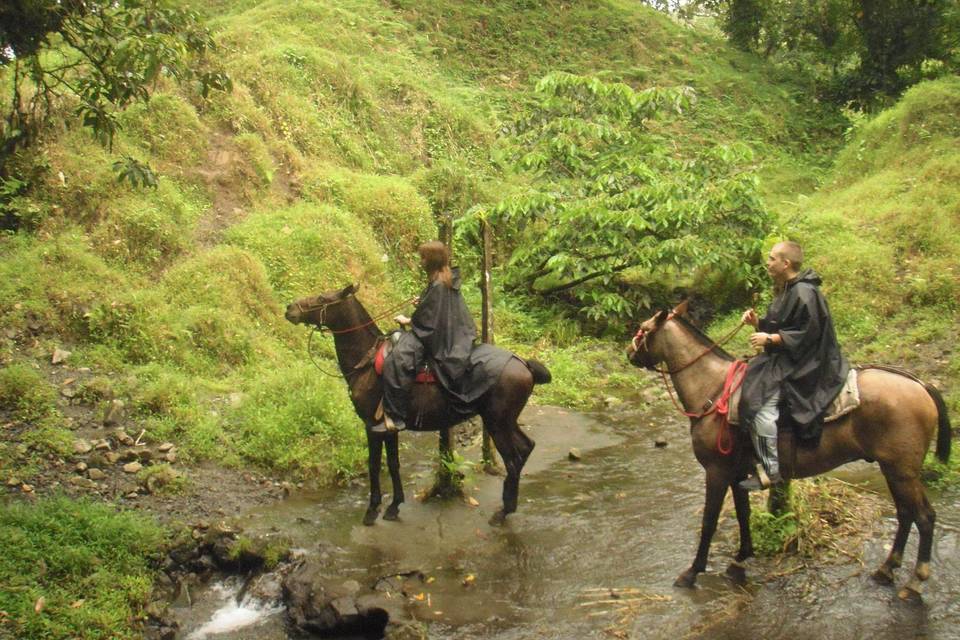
625 518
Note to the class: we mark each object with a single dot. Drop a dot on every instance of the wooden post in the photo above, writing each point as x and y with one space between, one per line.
489 456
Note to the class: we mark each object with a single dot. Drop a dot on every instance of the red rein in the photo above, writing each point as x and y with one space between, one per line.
721 406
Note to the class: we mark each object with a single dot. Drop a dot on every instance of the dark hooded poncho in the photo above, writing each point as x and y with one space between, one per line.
807 366
446 329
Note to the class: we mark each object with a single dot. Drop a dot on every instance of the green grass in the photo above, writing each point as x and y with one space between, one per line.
85 567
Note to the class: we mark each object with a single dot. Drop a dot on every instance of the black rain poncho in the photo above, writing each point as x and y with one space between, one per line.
807 366
442 335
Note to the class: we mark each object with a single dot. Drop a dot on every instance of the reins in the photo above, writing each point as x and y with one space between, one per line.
734 378
319 327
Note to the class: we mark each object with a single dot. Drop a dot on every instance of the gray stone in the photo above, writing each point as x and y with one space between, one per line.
102 444
132 467
82 446
96 474
80 467
59 356
165 447
574 454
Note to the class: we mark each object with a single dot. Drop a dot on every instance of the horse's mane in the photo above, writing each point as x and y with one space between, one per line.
703 338
364 315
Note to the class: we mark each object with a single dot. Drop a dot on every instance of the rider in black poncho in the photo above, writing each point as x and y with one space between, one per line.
442 334
801 369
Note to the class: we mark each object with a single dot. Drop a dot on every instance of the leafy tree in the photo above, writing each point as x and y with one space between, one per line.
615 201
94 56
897 36
859 49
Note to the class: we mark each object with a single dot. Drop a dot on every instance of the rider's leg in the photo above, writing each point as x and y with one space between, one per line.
399 373
763 432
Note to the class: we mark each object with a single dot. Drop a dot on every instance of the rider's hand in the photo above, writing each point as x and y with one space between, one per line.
416 301
402 319
760 339
750 318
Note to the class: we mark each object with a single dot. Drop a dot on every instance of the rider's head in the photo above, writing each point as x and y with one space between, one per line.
435 260
784 261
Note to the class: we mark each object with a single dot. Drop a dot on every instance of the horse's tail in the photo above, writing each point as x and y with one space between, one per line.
943 424
541 375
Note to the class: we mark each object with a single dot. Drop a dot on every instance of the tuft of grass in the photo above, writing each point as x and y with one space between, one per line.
824 518
74 569
295 419
307 249
25 393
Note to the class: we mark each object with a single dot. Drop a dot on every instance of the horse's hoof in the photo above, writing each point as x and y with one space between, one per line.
883 575
910 593
737 574
392 513
497 519
370 517
686 580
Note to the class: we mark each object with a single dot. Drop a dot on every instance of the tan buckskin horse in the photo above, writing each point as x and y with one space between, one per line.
356 338
894 424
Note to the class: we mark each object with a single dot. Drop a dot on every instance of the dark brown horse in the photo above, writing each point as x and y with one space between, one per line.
356 338
894 424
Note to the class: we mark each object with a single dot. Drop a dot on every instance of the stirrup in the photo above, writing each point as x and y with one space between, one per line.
760 481
388 425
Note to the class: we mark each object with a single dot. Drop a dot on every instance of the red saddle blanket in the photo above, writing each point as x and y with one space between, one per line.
424 375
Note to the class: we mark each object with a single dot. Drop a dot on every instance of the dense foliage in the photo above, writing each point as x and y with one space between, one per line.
614 199
860 50
94 57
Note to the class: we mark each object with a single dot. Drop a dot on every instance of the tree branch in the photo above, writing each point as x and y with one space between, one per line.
586 278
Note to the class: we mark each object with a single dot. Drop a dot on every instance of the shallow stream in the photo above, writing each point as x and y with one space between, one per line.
592 551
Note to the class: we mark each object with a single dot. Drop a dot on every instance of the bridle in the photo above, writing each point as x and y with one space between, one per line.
734 379
323 306
319 325
640 339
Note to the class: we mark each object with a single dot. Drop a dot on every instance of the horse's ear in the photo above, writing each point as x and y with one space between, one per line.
349 290
661 317
681 309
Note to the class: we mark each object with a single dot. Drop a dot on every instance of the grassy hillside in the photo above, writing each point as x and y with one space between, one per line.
885 232
352 128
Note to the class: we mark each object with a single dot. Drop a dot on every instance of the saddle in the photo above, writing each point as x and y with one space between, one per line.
846 401
424 374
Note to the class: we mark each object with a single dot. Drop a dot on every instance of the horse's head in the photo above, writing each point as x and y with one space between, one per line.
323 310
645 350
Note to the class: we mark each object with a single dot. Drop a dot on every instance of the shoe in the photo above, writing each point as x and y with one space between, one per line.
388 426
760 482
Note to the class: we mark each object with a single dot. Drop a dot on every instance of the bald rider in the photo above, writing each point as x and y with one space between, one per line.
800 369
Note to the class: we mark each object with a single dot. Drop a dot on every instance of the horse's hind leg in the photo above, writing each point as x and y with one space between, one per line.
924 518
514 447
374 455
912 507
393 464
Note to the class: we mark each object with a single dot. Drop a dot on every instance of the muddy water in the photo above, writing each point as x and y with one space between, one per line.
624 518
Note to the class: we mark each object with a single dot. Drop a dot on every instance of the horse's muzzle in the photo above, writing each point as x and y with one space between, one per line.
293 314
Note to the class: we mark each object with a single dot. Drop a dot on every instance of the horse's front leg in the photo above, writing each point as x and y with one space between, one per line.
716 490
374 451
736 571
393 465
